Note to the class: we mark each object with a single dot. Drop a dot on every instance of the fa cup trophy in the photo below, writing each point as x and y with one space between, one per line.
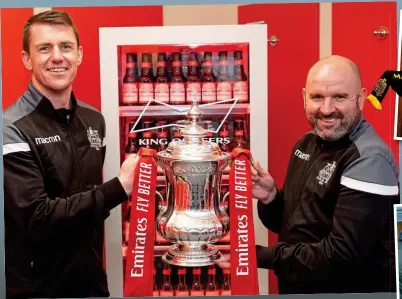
193 219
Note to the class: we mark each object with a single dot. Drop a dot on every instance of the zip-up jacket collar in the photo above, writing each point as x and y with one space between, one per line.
45 106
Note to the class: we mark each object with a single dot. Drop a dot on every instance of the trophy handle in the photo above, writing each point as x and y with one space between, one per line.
161 200
224 199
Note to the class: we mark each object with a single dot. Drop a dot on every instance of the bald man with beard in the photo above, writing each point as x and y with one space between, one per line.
334 213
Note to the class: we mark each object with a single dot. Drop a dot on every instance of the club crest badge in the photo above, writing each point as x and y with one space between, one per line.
326 173
94 139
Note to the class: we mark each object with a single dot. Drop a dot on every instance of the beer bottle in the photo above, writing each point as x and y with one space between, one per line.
167 288
176 132
196 289
238 140
226 289
208 80
148 139
223 86
240 81
146 85
130 84
182 289
162 80
193 85
208 126
155 292
131 147
223 137
163 137
177 87
212 289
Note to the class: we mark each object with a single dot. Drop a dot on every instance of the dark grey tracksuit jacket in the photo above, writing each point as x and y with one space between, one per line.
54 199
334 216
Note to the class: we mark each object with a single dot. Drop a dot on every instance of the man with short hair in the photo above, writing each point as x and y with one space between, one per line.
334 214
53 152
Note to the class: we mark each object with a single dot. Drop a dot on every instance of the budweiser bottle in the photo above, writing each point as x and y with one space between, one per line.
146 85
208 80
193 85
163 136
240 82
176 132
156 292
177 86
126 229
169 58
223 86
212 289
182 289
238 140
185 55
167 289
162 80
226 289
208 126
130 87
131 147
224 137
148 139
196 288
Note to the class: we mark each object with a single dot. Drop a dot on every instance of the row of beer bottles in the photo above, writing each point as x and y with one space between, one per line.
169 281
159 139
190 281
175 88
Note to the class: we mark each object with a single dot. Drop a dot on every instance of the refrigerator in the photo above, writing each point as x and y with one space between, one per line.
148 75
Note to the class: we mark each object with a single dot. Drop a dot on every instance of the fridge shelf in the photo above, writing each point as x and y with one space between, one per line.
160 110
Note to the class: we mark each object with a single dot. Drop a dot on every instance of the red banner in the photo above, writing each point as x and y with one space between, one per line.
140 251
243 263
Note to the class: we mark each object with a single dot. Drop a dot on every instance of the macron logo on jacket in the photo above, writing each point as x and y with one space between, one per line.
302 155
51 139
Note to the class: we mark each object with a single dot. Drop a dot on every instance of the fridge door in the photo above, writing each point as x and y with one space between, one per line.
114 44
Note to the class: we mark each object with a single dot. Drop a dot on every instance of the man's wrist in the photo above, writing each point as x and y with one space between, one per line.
270 197
264 257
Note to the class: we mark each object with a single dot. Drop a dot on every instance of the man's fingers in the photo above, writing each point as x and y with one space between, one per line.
224 258
224 261
257 169
224 265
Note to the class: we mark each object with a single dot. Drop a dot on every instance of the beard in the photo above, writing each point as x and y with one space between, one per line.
346 123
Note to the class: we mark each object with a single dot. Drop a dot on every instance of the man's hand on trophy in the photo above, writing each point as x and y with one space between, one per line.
224 261
126 173
263 184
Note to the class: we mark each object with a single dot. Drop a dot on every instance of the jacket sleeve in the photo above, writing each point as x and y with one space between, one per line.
368 190
271 214
40 217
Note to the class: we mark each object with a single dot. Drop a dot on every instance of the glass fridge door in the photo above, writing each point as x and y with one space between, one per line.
148 76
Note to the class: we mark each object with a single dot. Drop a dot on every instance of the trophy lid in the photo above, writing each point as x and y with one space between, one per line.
193 147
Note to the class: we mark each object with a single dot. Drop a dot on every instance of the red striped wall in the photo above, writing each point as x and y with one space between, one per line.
297 28
15 77
352 36
88 20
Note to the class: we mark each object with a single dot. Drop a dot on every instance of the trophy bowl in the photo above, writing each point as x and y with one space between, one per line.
193 218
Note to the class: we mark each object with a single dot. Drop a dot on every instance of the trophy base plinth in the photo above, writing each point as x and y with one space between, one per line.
186 256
